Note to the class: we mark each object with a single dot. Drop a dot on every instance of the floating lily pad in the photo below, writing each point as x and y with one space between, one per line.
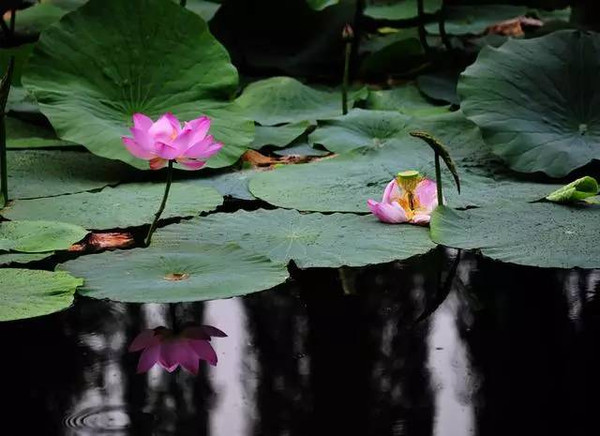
233 184
279 100
344 183
539 234
121 66
310 240
38 236
22 258
279 136
171 271
536 101
440 86
300 148
405 99
125 206
362 128
27 293
475 19
33 174
23 134
399 9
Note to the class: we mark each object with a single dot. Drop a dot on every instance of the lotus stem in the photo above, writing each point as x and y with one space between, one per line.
348 37
422 31
442 27
162 204
438 180
13 17
3 162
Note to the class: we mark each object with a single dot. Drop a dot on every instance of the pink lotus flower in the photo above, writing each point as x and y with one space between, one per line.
165 140
161 345
408 198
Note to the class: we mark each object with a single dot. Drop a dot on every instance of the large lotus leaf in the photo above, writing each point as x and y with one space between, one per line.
27 293
170 271
98 66
125 206
37 173
475 19
279 100
22 258
233 184
23 134
301 147
205 8
344 183
394 53
537 101
278 136
539 234
310 240
362 128
405 99
39 236
440 86
399 9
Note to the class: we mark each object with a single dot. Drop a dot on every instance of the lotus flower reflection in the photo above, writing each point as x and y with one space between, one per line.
166 140
408 198
170 350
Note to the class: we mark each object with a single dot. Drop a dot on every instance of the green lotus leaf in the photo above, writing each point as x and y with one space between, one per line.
24 134
205 8
36 173
22 258
279 136
393 53
28 293
577 190
124 206
536 101
362 128
399 9
475 19
301 147
344 183
232 184
120 66
538 234
440 86
280 100
39 236
310 240
170 271
319 5
405 99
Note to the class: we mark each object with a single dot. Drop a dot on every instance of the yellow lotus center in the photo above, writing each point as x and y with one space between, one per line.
408 181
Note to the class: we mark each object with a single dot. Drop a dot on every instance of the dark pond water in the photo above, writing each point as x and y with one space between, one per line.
509 351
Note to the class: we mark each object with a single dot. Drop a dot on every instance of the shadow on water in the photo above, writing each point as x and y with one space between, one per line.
501 351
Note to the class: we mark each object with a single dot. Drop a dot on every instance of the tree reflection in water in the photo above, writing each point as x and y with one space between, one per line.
509 351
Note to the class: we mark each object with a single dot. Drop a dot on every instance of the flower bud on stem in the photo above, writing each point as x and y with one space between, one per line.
162 204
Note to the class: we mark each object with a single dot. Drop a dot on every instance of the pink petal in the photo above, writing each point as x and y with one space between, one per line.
136 149
203 149
191 164
157 163
143 138
143 340
213 331
167 151
388 212
165 128
421 218
148 358
200 127
391 193
174 352
190 361
141 121
182 142
203 350
426 192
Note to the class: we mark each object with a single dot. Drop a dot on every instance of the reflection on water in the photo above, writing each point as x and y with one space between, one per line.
509 351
